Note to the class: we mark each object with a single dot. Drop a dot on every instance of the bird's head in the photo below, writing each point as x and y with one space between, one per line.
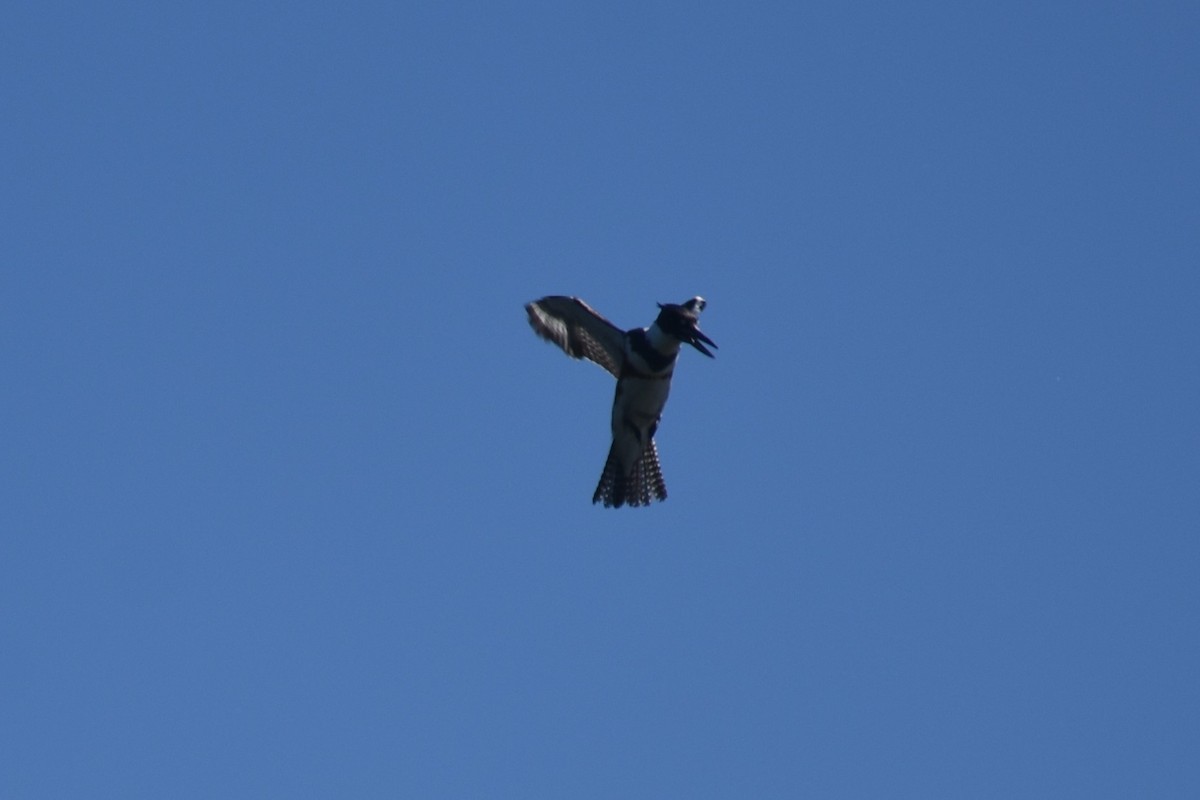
682 322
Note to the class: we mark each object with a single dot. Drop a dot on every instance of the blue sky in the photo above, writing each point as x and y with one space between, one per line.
296 505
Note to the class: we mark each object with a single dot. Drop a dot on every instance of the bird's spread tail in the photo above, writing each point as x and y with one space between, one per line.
643 483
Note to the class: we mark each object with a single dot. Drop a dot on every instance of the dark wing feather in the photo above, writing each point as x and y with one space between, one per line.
575 327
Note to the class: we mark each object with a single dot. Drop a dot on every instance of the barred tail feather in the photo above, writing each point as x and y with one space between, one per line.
643 484
650 476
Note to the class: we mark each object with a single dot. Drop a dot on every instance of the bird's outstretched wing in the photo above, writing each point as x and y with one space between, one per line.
575 327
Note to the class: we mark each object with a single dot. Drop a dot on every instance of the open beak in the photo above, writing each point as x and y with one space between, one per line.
697 338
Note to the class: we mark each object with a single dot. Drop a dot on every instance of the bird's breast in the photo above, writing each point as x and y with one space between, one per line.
640 401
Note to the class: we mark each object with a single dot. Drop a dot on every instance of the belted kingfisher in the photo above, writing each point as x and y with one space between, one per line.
643 361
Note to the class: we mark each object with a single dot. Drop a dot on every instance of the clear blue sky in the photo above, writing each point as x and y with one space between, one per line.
294 504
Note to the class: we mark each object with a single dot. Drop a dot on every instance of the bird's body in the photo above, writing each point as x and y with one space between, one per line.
643 362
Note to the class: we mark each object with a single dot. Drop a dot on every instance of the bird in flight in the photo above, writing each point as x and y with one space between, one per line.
643 361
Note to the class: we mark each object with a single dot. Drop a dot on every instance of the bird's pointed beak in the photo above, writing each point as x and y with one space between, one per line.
698 337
